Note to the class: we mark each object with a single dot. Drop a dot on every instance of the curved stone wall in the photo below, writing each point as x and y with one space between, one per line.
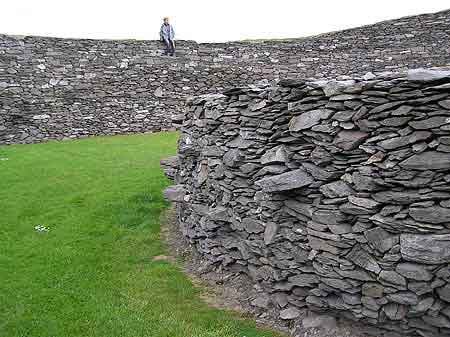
66 88
332 195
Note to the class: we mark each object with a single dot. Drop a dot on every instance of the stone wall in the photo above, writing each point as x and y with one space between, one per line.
54 88
331 195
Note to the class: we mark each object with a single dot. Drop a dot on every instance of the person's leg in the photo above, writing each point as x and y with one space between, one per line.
172 48
168 49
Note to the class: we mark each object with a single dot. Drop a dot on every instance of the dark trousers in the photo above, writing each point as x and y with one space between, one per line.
170 47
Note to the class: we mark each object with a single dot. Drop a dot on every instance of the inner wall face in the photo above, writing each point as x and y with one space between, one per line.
331 195
69 88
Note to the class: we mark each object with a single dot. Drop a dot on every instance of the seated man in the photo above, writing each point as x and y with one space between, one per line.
167 35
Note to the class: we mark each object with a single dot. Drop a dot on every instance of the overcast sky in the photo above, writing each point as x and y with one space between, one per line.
200 20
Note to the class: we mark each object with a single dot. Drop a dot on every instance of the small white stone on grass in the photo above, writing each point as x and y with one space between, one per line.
41 228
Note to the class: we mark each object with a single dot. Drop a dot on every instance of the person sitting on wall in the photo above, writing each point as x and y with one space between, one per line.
167 36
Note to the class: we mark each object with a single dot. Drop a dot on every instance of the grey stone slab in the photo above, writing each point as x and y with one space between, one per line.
395 311
414 271
350 140
363 202
363 259
322 245
430 160
289 313
430 123
396 142
336 189
392 277
299 207
427 249
380 239
403 297
275 155
321 173
439 321
270 232
428 75
372 289
308 119
434 214
285 181
444 292
252 225
407 197
304 280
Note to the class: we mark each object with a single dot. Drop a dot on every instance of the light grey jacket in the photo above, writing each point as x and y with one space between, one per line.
166 32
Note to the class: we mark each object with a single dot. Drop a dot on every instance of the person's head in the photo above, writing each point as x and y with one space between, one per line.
166 20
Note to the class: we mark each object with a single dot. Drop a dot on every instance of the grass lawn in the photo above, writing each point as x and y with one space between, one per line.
92 273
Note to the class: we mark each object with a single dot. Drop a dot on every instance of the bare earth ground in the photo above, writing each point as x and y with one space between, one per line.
234 291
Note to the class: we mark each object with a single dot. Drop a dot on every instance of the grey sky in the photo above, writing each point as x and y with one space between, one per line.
200 20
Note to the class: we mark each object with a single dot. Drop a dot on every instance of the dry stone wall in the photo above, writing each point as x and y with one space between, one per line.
54 88
331 195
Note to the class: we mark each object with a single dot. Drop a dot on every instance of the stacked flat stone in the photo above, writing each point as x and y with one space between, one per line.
332 195
54 88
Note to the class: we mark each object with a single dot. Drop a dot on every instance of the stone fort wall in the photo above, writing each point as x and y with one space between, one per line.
331 195
54 88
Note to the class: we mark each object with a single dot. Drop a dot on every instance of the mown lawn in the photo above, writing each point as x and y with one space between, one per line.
92 273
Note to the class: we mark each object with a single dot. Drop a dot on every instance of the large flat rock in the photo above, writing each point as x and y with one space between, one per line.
430 160
428 75
285 181
350 140
308 119
428 249
434 214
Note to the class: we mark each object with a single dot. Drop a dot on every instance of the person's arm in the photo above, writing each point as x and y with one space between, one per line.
173 33
161 34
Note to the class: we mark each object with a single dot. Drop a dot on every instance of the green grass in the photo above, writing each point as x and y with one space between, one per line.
92 273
